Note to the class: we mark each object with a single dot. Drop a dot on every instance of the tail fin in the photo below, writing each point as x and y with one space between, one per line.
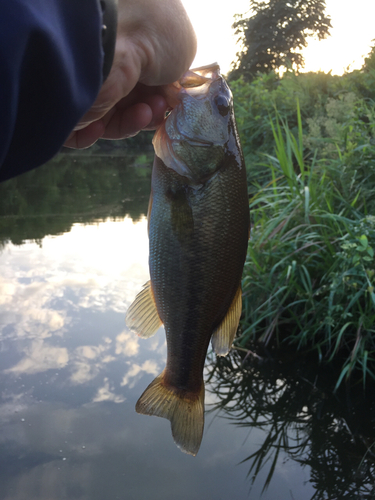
186 413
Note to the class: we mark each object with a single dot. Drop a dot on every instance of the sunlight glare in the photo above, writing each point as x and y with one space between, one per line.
350 41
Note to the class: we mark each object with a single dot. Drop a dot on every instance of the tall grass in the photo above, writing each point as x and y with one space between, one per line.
309 276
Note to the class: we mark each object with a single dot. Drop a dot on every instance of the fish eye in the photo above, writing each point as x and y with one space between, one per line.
222 104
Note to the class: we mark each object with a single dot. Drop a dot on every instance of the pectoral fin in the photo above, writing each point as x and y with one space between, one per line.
223 336
142 316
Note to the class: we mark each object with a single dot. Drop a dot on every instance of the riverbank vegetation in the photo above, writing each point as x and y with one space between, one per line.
75 188
309 144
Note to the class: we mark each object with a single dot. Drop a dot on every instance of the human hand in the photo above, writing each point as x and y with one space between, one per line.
155 45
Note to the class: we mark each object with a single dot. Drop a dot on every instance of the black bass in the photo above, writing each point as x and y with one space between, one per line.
198 231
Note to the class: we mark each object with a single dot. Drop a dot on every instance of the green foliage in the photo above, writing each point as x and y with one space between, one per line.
338 123
370 60
255 105
309 278
274 35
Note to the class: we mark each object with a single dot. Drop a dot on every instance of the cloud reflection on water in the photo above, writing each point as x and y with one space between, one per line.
133 375
105 393
45 290
39 357
127 344
71 373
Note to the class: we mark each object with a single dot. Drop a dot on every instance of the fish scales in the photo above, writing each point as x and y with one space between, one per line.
198 233
204 262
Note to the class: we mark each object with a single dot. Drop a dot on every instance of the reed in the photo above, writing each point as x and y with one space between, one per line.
309 276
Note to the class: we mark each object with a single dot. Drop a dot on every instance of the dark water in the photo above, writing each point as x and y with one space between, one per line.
73 254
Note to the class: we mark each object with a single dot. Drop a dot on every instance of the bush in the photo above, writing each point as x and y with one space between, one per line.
337 116
309 276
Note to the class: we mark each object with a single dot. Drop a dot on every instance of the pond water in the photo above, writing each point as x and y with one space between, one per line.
73 254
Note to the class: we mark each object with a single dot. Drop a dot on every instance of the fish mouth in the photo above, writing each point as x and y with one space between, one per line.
197 77
196 82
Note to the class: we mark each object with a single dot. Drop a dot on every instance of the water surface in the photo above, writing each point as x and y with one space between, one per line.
74 252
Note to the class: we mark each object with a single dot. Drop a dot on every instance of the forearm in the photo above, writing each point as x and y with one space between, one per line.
51 72
51 67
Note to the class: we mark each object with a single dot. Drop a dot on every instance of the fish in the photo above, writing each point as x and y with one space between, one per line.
199 226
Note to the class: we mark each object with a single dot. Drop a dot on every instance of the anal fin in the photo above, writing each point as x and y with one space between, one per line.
184 410
142 316
223 336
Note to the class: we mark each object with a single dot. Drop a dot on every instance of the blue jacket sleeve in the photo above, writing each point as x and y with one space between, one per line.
50 74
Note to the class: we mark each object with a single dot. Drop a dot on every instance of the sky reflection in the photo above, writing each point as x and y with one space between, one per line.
58 298
71 373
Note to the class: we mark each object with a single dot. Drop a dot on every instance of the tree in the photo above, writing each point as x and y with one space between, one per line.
275 34
369 63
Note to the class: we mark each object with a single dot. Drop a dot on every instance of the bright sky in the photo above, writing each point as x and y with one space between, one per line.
353 29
